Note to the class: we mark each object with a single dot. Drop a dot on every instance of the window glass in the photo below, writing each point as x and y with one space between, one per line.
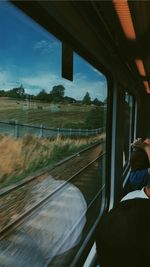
128 114
52 143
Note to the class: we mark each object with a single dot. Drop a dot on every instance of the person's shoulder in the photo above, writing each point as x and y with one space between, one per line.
125 209
135 194
124 230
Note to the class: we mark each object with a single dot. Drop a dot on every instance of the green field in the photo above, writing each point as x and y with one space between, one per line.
38 113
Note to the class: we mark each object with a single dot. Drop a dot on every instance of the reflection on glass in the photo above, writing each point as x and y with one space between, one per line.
54 229
128 107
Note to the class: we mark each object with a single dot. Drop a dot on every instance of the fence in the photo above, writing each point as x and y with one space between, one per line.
18 130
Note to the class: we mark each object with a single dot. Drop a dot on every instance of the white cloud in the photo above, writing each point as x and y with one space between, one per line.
45 46
33 84
76 89
40 80
96 89
82 84
40 44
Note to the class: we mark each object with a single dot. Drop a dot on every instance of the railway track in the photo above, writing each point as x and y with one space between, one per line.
42 174
14 211
38 236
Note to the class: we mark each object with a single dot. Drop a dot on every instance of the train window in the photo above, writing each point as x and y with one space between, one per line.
128 120
30 82
52 143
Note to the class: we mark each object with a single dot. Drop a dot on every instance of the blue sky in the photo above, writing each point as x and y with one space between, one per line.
31 56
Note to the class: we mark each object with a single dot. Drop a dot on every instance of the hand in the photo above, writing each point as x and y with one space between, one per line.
139 143
147 141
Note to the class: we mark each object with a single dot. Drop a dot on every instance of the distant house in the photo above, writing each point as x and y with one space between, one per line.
68 99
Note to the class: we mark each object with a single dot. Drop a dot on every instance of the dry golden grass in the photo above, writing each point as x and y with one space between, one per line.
20 157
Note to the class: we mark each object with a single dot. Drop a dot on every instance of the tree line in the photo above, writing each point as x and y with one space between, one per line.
56 95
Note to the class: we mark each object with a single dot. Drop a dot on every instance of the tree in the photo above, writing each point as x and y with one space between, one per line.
57 93
21 91
2 93
17 92
86 99
42 95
